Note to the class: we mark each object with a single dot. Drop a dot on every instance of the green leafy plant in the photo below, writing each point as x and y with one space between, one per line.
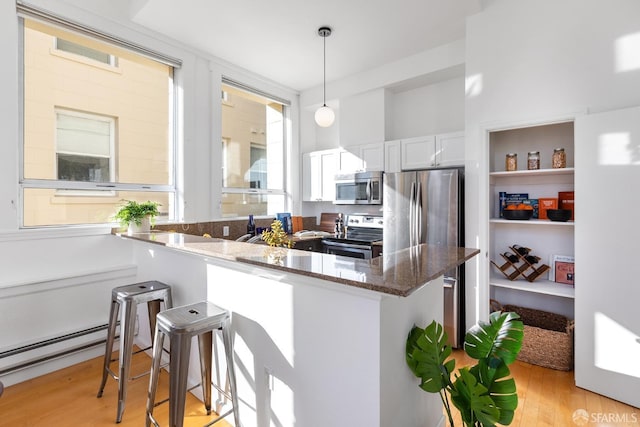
276 236
485 393
133 212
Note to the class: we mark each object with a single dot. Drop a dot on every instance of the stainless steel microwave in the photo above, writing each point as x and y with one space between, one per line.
359 188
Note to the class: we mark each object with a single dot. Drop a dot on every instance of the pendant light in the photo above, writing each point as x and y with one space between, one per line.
324 115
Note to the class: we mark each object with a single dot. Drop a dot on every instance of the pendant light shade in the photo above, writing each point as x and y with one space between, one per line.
324 115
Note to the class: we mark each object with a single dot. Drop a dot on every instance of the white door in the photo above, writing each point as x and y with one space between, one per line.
607 234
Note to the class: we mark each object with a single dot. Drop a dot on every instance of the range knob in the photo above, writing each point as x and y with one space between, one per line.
354 221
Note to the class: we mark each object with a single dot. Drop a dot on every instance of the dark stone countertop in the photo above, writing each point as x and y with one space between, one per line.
398 273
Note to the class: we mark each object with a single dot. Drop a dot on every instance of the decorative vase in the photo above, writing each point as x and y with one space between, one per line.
144 227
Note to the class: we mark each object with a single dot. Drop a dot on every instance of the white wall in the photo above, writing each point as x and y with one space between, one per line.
536 61
426 110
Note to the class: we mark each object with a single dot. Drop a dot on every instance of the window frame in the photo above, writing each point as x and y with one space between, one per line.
84 188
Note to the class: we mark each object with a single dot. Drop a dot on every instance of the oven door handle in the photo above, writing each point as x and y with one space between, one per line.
347 245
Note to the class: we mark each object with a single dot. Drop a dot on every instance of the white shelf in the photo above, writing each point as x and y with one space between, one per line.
534 222
545 287
537 172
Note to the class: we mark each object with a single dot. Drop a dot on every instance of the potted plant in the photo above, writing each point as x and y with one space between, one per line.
485 394
138 217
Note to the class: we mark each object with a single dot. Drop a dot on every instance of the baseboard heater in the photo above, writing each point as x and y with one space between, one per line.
55 354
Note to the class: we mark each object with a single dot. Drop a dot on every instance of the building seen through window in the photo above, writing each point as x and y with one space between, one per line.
97 128
253 153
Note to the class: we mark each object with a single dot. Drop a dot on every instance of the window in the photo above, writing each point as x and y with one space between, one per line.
253 150
84 147
78 49
97 124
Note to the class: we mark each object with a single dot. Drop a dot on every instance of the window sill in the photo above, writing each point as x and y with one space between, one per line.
54 232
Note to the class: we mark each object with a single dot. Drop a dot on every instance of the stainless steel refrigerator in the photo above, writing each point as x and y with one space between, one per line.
427 207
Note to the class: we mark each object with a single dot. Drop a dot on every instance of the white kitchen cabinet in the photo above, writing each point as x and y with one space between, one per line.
318 175
544 237
418 153
372 156
358 158
392 156
433 151
349 160
450 149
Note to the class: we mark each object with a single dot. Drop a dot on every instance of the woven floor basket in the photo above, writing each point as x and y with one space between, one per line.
548 338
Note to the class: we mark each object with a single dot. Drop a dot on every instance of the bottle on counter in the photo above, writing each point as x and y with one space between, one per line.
251 226
339 229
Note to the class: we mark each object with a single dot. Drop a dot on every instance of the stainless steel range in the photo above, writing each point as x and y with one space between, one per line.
362 239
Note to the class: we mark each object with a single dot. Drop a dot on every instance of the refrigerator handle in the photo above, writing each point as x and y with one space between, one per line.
412 214
419 213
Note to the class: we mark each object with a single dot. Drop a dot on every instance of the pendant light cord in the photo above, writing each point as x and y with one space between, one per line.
324 71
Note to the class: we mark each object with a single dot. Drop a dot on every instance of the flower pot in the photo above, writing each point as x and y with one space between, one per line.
144 227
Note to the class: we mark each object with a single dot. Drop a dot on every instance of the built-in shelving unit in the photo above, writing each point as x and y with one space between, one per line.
543 236
544 287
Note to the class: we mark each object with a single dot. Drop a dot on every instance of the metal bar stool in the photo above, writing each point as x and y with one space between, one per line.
129 297
181 324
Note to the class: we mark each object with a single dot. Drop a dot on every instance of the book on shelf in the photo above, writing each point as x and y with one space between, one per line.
566 201
533 203
562 269
545 203
505 199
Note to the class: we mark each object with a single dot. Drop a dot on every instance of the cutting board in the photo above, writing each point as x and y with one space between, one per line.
328 222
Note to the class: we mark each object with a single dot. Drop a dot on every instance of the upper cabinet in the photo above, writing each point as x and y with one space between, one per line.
318 173
392 156
418 153
358 158
424 152
450 149
372 156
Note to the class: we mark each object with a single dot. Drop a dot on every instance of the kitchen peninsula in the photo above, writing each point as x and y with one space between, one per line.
319 339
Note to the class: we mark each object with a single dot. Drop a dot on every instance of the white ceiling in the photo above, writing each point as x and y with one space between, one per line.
278 39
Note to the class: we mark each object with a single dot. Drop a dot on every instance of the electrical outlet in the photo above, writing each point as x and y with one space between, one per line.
225 230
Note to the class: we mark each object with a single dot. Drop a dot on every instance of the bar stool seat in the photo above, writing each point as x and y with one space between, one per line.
181 324
128 297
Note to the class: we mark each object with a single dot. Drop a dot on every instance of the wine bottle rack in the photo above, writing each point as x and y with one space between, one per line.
521 264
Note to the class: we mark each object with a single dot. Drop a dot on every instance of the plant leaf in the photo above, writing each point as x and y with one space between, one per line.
501 388
426 353
498 340
473 401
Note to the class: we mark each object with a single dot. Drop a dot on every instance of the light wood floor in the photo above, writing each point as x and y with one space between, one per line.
549 398
68 398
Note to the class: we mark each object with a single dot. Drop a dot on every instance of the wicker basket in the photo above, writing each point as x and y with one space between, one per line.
548 338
